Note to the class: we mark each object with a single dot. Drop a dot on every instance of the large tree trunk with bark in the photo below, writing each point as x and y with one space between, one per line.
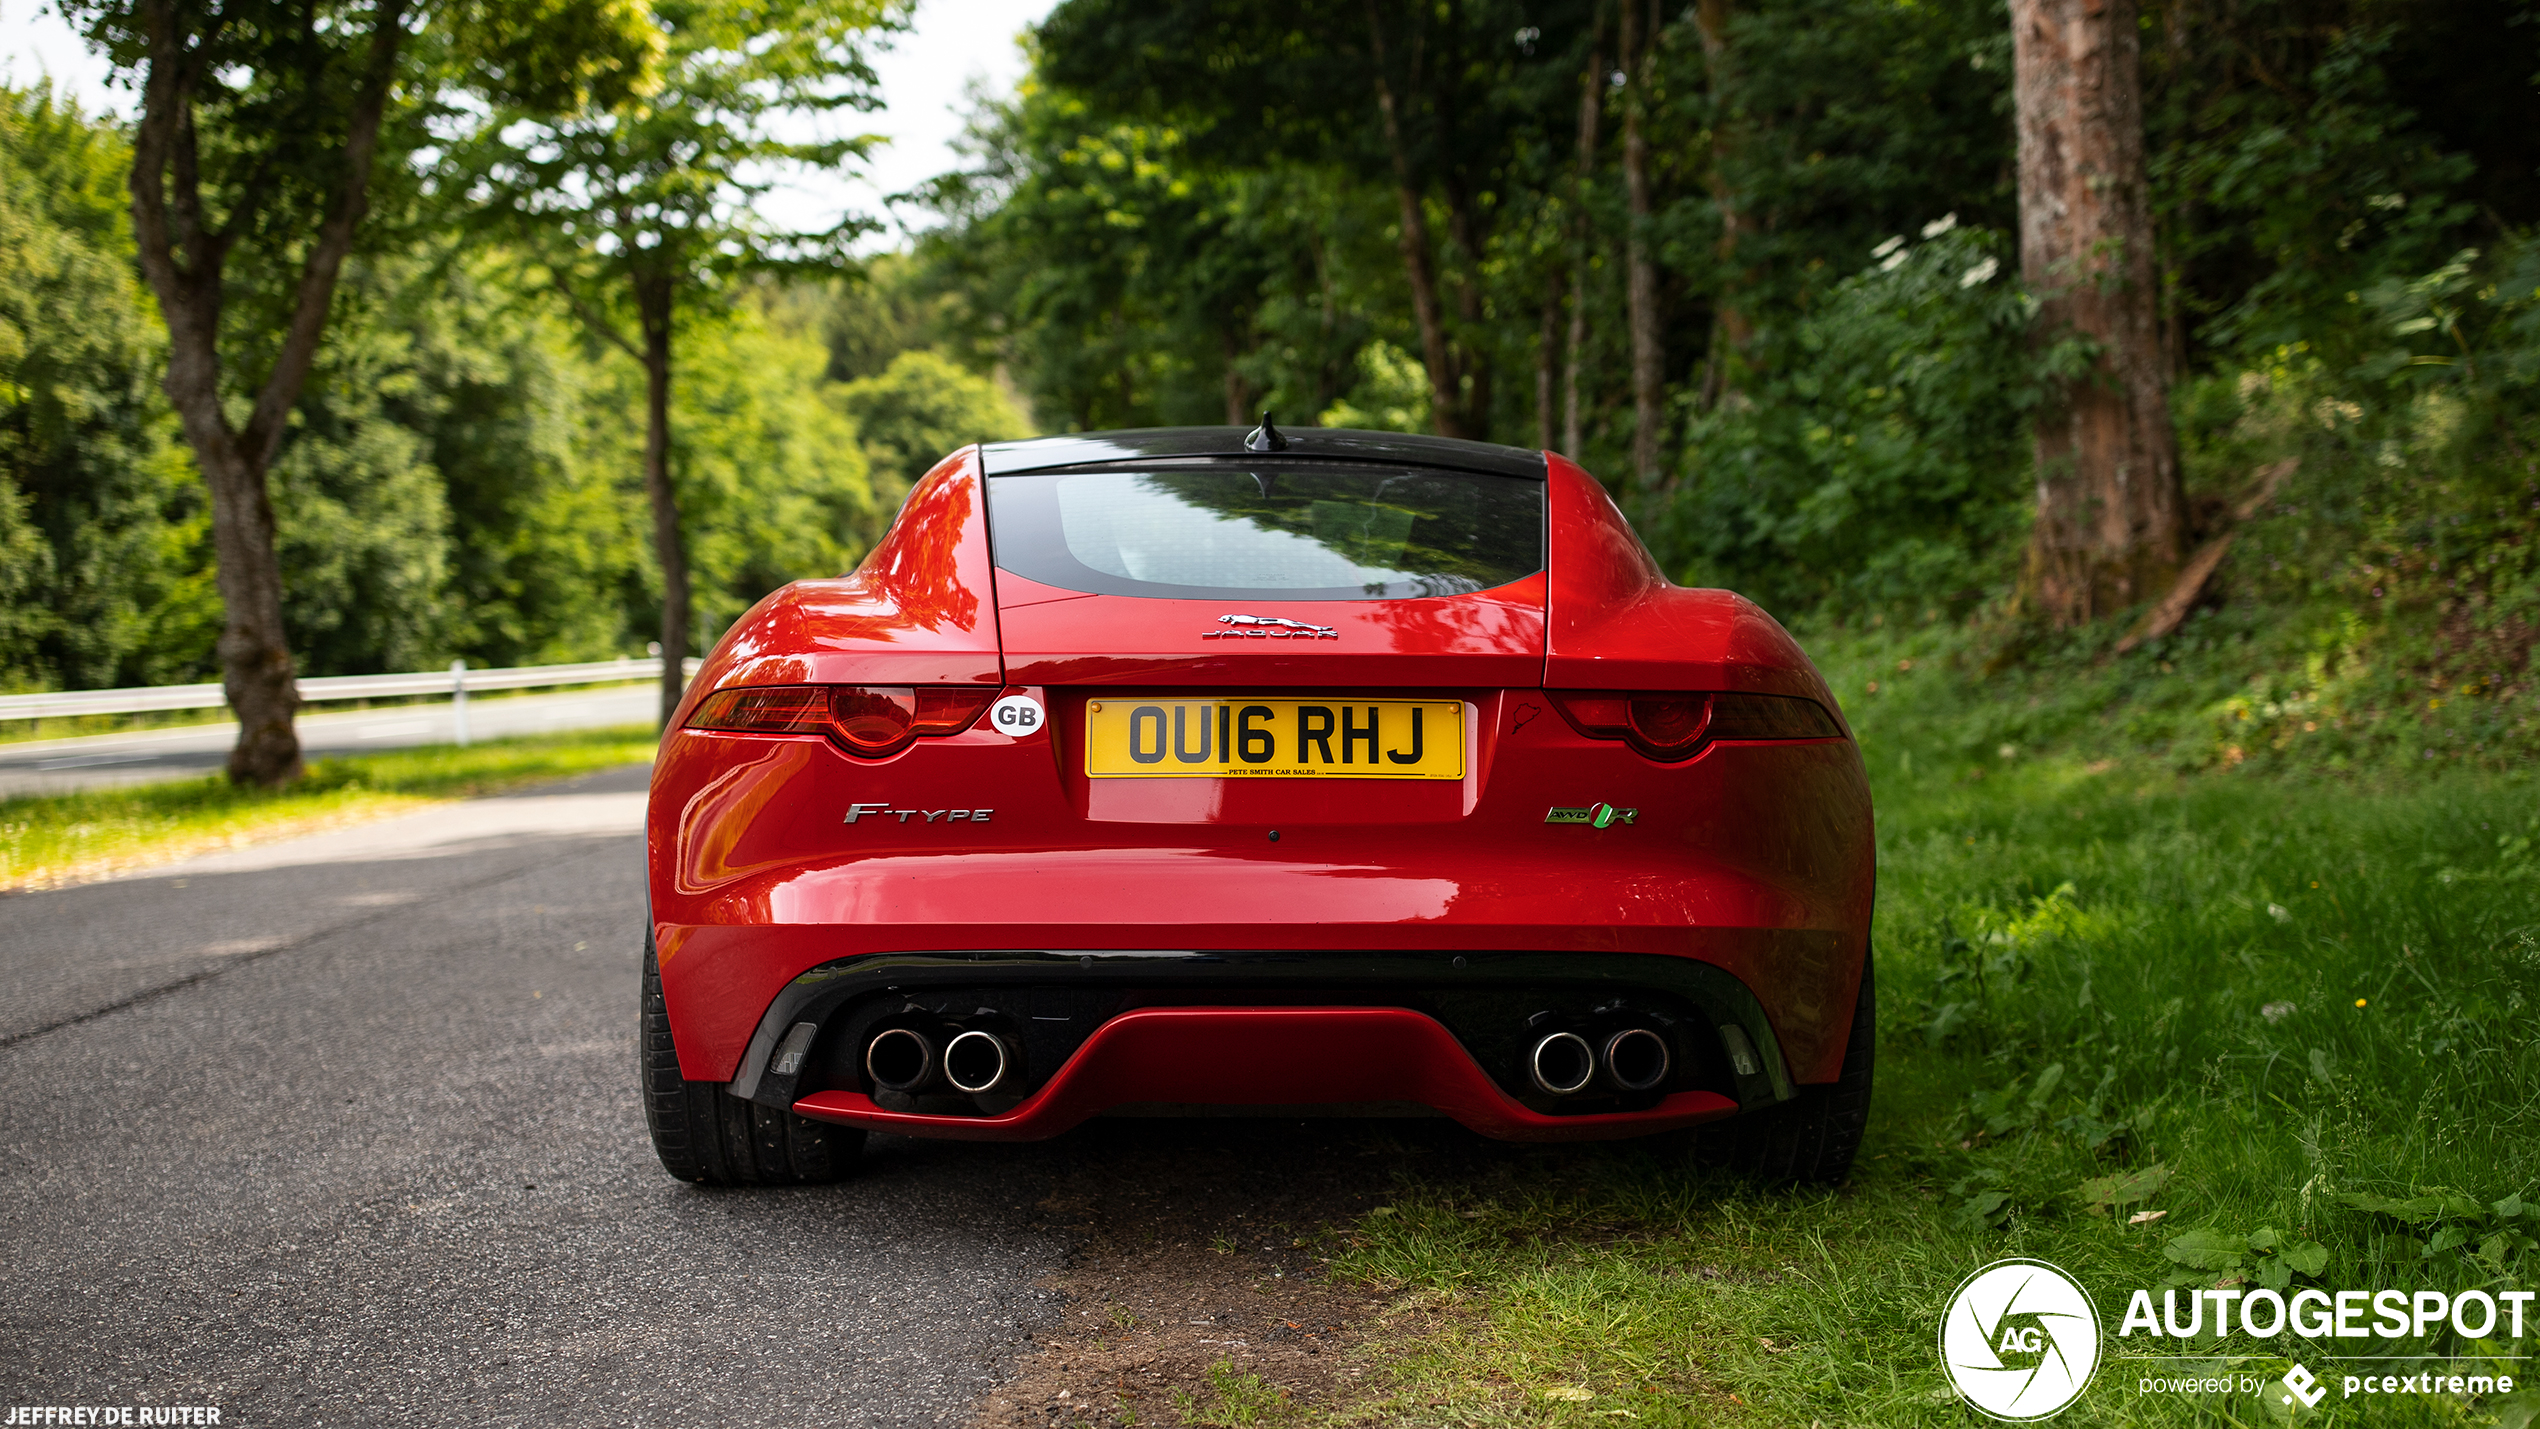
2111 523
653 315
1649 359
184 258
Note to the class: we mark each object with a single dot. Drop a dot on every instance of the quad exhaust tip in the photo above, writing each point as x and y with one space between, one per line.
900 1059
977 1062
1636 1059
1563 1064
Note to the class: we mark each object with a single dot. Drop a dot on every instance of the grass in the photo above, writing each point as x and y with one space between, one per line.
1233 1401
2128 1023
49 840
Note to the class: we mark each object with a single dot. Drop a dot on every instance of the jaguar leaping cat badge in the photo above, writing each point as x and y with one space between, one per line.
1269 627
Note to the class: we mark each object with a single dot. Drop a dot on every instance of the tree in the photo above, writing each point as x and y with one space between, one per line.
917 409
643 209
85 436
2111 513
1649 356
1419 101
261 125
1582 253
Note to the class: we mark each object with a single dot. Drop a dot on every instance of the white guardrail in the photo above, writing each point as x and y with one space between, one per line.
458 682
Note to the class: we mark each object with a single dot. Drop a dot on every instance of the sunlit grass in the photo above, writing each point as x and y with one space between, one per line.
52 839
2258 999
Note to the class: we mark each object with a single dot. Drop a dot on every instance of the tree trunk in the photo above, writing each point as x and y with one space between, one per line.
185 263
1591 106
1418 267
653 294
1472 363
2110 511
1731 329
1649 359
1547 361
1238 388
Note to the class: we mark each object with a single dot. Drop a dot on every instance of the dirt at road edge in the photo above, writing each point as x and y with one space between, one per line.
1200 1284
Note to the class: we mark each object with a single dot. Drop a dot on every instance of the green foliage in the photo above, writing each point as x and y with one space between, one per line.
1131 286
773 484
917 410
1391 394
554 56
366 539
893 304
96 510
659 185
2266 1255
545 561
2281 196
1880 463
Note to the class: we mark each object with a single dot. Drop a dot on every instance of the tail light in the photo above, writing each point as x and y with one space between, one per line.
1673 727
867 720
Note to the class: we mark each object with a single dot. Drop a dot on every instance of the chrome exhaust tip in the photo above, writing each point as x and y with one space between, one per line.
1562 1064
900 1059
977 1062
1636 1059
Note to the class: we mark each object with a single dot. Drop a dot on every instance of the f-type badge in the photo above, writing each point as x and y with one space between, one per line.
1268 627
1595 816
884 811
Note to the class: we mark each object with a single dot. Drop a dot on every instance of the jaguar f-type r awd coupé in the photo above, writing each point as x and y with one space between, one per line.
1174 771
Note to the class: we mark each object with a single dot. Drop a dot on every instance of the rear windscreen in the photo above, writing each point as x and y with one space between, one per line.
1317 534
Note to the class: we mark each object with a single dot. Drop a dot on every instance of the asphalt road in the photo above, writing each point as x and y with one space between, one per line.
60 766
344 1132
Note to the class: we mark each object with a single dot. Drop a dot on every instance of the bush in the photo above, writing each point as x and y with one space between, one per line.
1881 460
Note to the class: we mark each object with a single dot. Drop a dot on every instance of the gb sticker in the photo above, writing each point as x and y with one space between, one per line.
1016 716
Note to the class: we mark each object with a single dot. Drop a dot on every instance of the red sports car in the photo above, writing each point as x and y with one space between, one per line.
1167 772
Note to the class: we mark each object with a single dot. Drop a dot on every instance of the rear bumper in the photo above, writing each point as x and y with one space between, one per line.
1095 1031
1272 1056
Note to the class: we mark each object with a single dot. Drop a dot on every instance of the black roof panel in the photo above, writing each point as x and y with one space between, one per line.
1304 443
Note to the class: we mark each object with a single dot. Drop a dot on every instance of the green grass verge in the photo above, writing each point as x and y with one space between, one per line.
52 839
2242 1006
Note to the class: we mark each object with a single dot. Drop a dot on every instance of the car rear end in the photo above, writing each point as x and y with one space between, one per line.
1372 774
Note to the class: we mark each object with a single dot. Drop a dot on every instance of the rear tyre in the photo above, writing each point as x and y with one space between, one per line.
1814 1136
705 1134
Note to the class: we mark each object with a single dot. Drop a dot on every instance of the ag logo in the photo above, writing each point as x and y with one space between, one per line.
2020 1340
1017 715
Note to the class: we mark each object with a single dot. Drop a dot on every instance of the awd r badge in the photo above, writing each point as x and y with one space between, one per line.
1595 816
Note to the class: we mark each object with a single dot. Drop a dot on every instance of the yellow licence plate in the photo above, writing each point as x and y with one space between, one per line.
1271 738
